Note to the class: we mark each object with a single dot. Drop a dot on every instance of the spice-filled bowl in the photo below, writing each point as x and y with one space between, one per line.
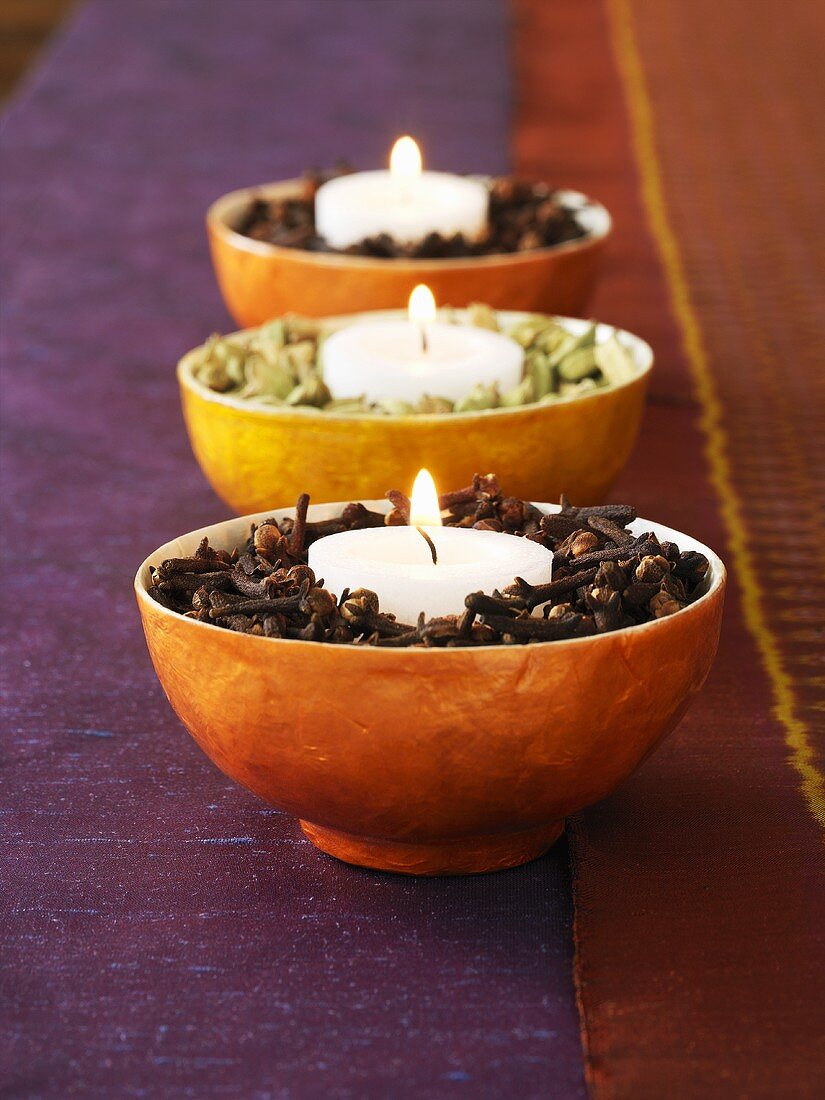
260 280
577 440
430 760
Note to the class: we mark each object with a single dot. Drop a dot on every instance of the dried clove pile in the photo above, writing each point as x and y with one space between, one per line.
604 578
522 216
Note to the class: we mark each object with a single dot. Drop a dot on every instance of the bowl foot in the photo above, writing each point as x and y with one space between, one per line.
464 856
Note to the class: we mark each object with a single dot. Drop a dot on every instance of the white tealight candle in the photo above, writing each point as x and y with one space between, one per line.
396 563
403 360
405 202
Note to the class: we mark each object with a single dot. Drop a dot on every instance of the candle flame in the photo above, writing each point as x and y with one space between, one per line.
424 507
405 161
421 307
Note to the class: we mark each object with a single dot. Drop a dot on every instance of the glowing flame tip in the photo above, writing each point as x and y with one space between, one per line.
405 160
424 507
421 307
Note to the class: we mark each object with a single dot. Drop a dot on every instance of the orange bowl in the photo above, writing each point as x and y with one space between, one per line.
260 281
429 761
256 455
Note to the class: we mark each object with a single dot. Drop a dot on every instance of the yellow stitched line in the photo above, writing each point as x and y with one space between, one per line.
796 734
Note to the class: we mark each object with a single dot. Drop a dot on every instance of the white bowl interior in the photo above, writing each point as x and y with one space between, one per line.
591 215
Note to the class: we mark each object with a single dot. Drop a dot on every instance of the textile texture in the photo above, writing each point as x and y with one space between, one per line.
698 886
165 934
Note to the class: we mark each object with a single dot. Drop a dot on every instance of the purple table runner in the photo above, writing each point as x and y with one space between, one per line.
164 933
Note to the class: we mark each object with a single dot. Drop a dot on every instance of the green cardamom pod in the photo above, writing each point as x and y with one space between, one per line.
483 316
479 398
569 389
577 365
271 337
235 367
522 394
526 331
264 377
214 376
210 368
615 361
537 367
311 391
429 404
298 328
573 343
551 338
347 405
299 359
391 406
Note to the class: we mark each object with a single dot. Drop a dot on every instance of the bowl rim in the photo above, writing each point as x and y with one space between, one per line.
714 589
220 211
642 355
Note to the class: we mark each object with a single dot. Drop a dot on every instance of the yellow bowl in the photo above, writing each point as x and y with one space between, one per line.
429 761
256 456
260 281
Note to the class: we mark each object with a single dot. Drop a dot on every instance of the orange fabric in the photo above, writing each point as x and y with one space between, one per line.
698 936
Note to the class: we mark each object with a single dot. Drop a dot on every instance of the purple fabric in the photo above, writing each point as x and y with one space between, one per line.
163 932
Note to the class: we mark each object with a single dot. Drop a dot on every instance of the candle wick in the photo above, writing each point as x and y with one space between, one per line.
424 342
430 543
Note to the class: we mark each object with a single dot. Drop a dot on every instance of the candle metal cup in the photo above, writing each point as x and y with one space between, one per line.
260 280
254 455
430 761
